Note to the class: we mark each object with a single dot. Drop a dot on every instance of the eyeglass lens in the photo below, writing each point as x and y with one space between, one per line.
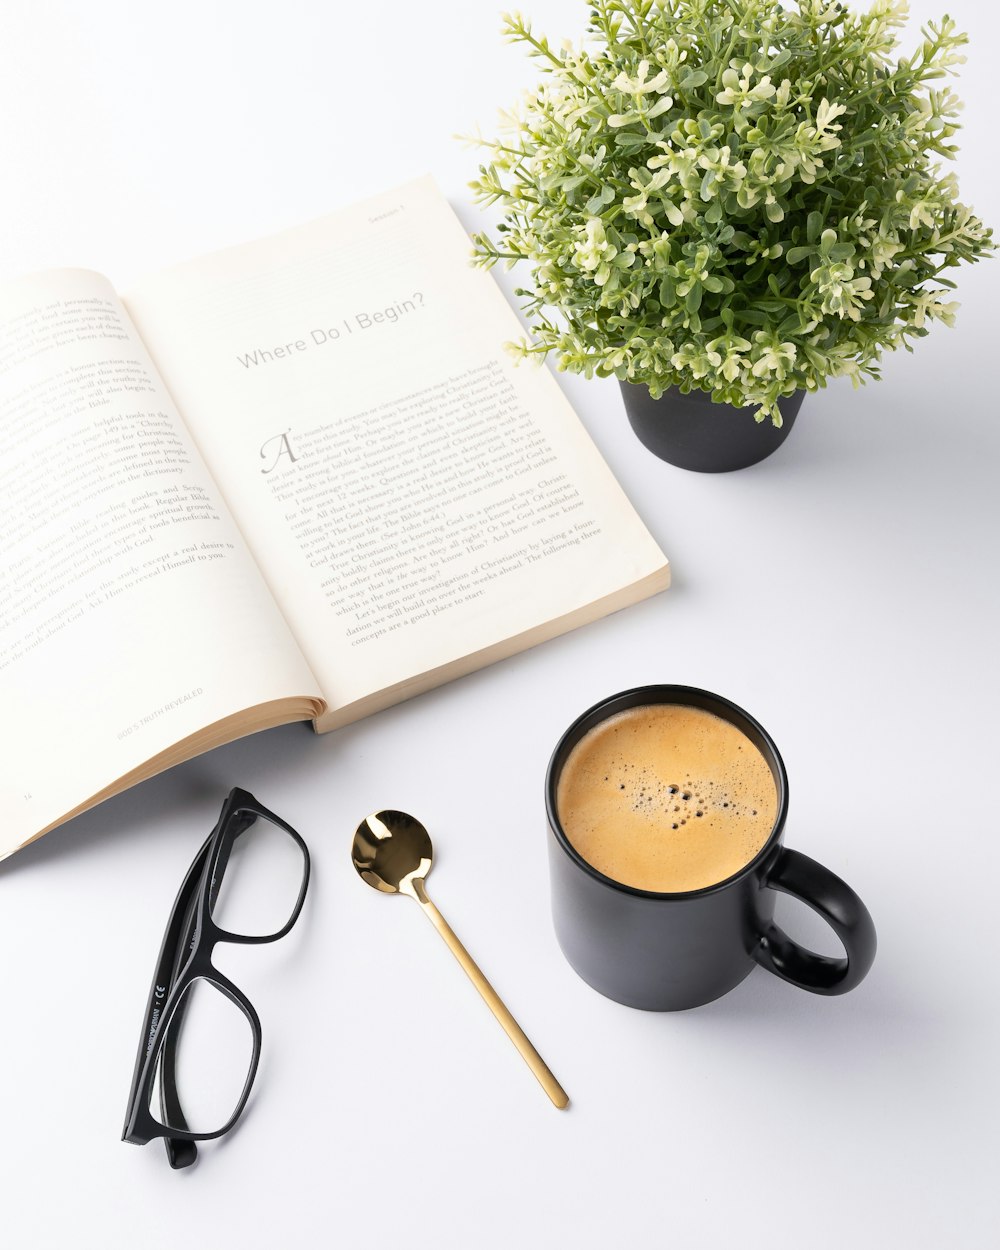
261 879
207 1049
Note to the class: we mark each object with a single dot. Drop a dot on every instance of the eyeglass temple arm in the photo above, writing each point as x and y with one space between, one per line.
180 1153
176 939
234 829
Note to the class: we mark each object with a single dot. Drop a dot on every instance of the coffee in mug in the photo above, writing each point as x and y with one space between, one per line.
666 809
666 797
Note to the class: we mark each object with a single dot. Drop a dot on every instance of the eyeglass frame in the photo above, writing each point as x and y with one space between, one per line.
191 925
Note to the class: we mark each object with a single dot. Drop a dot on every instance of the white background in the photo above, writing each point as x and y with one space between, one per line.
844 591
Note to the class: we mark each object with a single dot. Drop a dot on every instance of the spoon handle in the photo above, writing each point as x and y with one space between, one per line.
493 1000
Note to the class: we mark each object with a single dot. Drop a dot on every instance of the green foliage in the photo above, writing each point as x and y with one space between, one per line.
732 195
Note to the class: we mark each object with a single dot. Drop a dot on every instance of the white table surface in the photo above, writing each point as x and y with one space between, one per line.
844 591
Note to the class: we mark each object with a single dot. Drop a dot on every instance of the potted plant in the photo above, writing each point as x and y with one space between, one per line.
725 203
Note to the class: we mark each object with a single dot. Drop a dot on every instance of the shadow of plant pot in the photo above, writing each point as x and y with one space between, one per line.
692 432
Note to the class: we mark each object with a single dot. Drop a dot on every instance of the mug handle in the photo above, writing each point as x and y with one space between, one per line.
796 874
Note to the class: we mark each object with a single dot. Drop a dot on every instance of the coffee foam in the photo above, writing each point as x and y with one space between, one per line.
666 797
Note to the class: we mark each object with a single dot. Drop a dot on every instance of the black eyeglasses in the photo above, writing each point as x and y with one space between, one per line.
247 884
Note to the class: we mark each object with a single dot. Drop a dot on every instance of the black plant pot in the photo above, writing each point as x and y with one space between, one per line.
693 433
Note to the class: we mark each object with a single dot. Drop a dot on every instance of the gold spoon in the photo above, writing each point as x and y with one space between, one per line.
392 851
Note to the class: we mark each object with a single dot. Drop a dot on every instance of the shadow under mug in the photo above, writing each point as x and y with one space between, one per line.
668 952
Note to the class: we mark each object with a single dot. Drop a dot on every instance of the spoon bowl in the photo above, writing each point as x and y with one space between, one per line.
391 851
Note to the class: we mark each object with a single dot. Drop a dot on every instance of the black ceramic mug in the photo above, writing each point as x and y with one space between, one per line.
667 952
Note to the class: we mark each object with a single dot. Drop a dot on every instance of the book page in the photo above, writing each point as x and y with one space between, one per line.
411 494
131 613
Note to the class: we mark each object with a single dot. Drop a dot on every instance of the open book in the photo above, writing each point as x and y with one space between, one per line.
295 480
